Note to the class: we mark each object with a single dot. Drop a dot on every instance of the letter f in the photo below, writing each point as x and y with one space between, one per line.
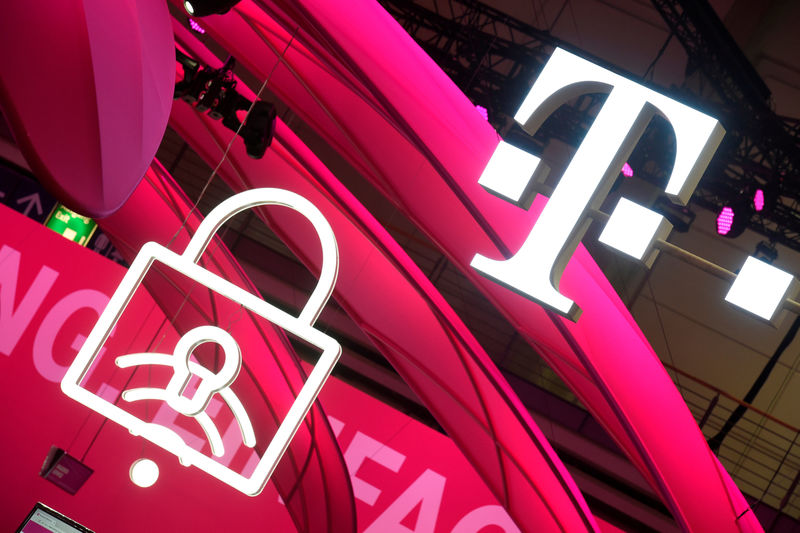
535 270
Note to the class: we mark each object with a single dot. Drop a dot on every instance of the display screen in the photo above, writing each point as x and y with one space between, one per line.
45 520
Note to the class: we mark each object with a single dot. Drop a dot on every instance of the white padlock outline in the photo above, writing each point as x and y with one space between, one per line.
186 263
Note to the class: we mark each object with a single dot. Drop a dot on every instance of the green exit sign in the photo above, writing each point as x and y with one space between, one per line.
71 225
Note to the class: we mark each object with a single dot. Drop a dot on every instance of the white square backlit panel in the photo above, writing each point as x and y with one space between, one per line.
760 288
631 229
509 174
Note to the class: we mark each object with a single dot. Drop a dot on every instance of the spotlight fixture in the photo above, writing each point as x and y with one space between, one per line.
766 251
766 197
214 91
758 200
202 8
760 288
196 27
733 218
681 217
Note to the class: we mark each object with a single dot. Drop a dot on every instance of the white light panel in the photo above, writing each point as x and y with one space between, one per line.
509 172
632 229
760 288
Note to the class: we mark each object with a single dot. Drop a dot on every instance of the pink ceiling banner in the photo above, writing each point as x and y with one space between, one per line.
405 126
409 322
104 68
311 478
396 463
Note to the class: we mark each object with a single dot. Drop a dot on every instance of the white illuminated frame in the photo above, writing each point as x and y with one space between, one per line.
186 263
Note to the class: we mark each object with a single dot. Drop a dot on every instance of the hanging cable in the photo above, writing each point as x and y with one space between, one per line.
651 68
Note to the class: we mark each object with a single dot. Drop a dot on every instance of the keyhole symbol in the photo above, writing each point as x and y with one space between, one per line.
209 385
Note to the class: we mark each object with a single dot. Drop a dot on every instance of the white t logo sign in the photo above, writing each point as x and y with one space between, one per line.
535 270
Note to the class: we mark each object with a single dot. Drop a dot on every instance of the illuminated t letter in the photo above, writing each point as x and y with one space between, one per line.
535 270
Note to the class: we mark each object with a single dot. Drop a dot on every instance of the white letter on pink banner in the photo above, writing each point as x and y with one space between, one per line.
364 447
13 321
535 270
426 492
45 339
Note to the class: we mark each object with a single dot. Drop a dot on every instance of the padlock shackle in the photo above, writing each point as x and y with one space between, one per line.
268 196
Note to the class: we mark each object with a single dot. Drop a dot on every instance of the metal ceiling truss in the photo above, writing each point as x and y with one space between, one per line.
494 59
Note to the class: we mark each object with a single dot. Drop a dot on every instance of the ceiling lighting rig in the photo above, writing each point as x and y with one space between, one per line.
737 213
758 287
213 91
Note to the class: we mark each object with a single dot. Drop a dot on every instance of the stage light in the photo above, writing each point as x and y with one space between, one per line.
196 27
680 216
213 90
758 200
482 111
259 128
64 471
144 473
508 174
627 171
760 288
766 251
725 220
735 216
202 8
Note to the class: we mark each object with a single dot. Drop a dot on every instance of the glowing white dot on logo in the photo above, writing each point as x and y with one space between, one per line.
144 473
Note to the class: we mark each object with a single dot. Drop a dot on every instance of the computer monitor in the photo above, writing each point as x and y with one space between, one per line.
43 519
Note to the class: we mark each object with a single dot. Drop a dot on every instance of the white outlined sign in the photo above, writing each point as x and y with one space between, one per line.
219 383
535 270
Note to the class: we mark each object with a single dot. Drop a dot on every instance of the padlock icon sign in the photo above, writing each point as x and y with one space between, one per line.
186 263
